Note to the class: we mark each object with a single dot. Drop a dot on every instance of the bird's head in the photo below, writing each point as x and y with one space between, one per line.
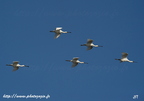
133 61
26 66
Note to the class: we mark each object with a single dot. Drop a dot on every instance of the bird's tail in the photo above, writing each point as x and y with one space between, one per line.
119 60
83 45
51 31
8 65
68 60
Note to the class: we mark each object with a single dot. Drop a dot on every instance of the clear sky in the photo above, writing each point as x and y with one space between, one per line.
118 25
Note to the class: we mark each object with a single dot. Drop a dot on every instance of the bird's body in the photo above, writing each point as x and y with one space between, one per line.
124 58
90 44
16 65
75 61
58 31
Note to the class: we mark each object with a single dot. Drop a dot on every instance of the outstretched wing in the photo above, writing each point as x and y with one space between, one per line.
89 41
76 58
58 28
124 55
89 47
74 64
56 35
15 62
15 68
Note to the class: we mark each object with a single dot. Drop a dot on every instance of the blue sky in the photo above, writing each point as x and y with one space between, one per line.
118 25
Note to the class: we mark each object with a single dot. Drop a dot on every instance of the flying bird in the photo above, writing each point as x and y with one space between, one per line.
58 31
90 44
75 61
16 65
124 58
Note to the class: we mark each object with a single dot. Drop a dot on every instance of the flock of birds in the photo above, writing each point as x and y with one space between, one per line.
58 31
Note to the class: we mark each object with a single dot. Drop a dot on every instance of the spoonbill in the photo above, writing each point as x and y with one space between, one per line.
90 44
124 58
75 61
16 65
58 31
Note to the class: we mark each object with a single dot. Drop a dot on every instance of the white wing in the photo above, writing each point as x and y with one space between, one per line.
58 28
57 35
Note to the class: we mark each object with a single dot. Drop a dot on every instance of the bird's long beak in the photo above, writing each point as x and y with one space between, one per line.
26 66
85 63
134 62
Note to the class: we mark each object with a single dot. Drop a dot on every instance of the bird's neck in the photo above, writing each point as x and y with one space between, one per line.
64 32
95 45
81 62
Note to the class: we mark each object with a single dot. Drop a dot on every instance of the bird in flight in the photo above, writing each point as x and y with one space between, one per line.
58 31
124 58
16 65
90 44
75 61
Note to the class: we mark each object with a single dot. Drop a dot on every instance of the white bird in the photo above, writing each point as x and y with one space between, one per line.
58 32
75 61
16 65
124 58
90 45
